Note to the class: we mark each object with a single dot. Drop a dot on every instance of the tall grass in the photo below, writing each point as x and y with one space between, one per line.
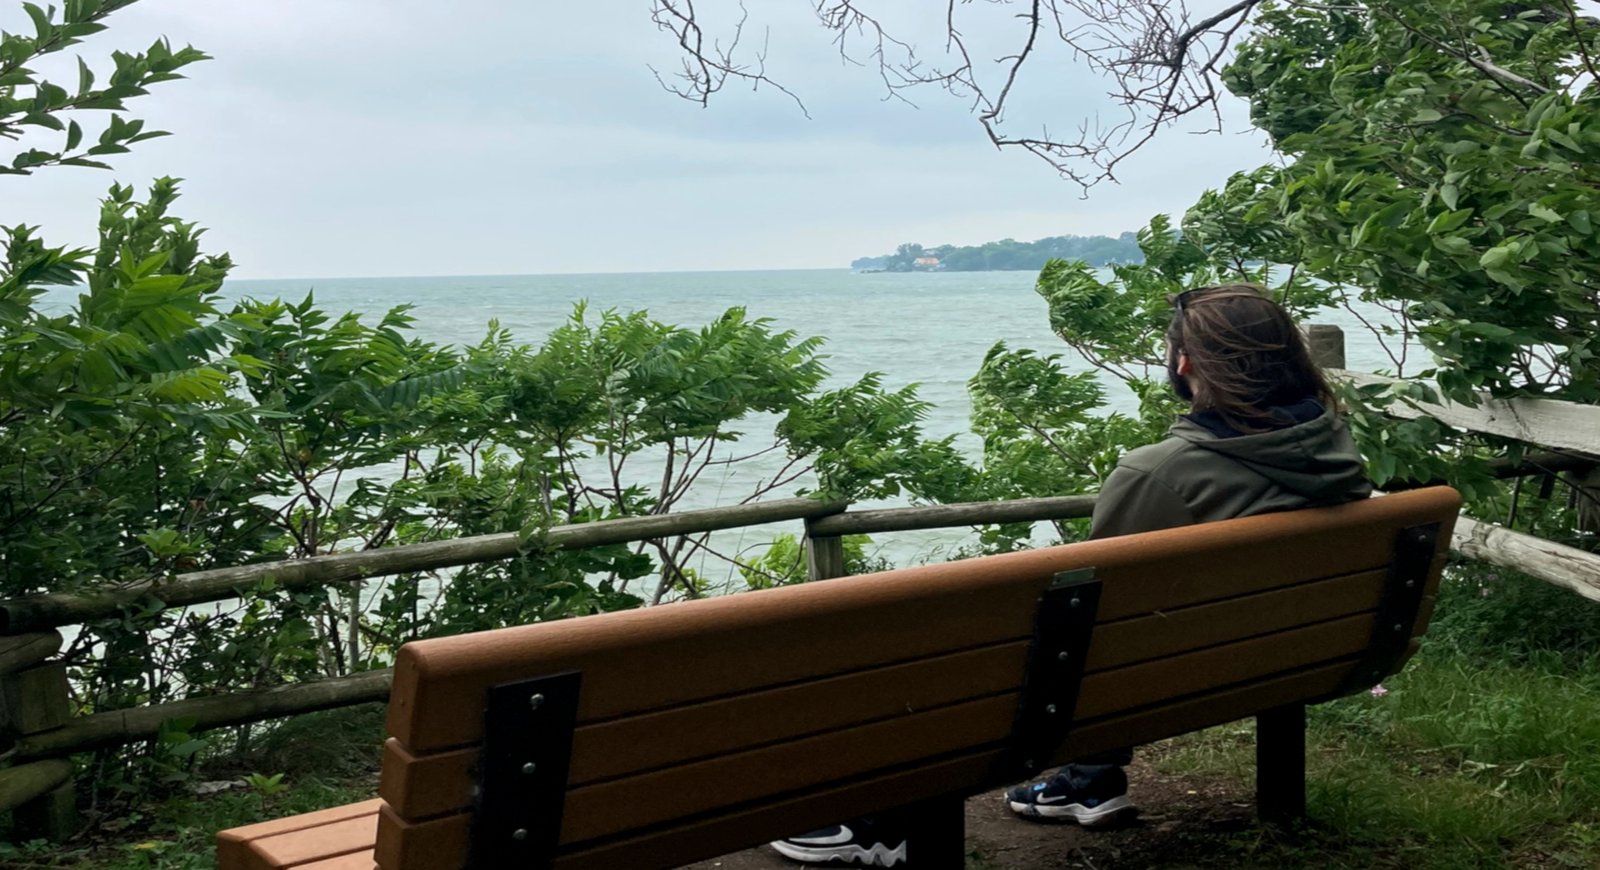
1484 753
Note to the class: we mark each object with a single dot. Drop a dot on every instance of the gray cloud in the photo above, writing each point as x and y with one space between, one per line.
397 137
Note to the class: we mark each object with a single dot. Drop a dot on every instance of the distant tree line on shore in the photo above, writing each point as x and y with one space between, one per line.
1006 254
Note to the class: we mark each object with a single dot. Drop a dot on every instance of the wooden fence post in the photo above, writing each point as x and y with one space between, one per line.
1327 345
824 555
34 698
25 783
53 816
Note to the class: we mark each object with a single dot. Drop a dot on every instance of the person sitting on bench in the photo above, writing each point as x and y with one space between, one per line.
1263 435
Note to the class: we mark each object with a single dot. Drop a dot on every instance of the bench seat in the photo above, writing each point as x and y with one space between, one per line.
340 838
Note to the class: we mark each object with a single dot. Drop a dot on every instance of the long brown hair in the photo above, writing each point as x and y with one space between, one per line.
1245 354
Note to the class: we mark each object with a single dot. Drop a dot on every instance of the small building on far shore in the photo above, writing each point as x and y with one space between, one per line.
926 263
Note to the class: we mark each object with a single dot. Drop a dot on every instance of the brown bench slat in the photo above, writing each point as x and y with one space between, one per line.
1215 667
362 860
737 644
723 727
435 844
418 787
1195 564
441 844
725 833
1170 720
302 847
607 808
299 841
631 660
1141 638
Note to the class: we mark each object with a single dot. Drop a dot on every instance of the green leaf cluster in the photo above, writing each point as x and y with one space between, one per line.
31 105
1442 158
1436 179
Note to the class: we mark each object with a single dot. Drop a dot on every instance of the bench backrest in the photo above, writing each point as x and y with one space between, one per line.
657 737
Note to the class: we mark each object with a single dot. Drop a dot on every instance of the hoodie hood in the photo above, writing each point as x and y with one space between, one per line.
1316 459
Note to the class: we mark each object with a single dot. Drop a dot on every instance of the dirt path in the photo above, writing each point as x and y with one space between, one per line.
1176 816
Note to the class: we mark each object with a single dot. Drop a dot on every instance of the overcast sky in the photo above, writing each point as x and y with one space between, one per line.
402 137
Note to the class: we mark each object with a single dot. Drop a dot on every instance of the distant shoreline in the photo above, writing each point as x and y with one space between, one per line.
1006 255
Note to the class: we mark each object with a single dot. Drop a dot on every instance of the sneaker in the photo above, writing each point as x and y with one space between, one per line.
859 842
1091 795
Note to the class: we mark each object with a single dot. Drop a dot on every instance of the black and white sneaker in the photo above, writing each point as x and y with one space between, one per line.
862 842
1091 795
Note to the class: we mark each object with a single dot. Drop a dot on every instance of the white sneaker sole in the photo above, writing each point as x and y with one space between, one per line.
877 856
1089 817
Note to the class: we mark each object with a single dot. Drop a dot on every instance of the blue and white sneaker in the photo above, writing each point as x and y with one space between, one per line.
862 842
1091 795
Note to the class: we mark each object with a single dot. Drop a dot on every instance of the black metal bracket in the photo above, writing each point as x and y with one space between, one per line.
1414 550
522 776
1063 627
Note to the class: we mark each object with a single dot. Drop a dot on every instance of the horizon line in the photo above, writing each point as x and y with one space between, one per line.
539 274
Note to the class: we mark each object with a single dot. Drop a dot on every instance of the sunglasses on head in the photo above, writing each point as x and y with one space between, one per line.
1180 300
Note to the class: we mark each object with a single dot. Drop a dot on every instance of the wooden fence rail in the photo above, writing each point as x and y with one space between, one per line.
1547 422
50 610
135 724
947 516
1553 563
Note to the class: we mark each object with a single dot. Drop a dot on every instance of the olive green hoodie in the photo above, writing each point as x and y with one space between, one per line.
1203 472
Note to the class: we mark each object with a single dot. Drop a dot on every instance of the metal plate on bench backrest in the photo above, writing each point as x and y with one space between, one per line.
522 778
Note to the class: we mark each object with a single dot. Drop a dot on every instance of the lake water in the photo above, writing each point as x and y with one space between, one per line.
930 329
926 328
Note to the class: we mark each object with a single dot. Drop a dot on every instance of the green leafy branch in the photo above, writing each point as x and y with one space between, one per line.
29 102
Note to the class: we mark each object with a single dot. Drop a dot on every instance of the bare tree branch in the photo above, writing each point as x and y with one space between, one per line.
1576 24
707 68
1162 64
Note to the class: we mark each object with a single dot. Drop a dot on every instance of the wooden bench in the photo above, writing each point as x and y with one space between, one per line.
658 737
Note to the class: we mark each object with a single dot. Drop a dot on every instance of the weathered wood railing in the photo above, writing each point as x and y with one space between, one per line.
33 700
47 611
1570 429
35 714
